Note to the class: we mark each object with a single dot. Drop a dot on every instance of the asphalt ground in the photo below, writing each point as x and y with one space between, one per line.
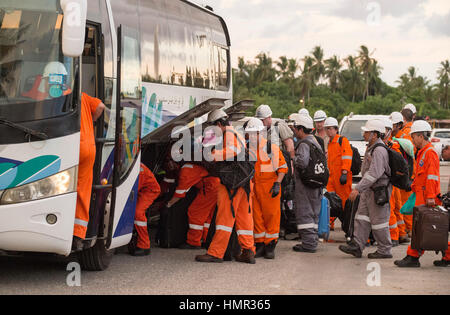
174 272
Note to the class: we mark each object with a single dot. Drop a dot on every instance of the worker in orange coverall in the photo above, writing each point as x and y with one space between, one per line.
148 191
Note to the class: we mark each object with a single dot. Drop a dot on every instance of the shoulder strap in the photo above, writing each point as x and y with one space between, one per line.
340 140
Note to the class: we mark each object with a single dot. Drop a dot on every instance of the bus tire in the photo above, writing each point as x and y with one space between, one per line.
96 258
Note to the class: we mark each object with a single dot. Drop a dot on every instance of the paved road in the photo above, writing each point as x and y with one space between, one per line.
174 271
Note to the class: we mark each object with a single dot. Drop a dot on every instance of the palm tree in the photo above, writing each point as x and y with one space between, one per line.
374 77
355 77
307 78
318 66
365 63
444 78
283 66
333 72
264 69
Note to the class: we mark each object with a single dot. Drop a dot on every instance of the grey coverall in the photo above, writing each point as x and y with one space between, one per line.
375 171
307 200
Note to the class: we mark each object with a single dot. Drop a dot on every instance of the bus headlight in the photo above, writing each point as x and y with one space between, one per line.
58 184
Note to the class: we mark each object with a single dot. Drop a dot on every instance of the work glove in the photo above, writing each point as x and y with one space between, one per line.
275 189
343 179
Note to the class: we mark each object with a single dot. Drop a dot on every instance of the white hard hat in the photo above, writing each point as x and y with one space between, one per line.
411 107
303 120
388 123
215 115
396 118
331 122
374 125
254 125
420 126
263 112
320 115
55 68
303 111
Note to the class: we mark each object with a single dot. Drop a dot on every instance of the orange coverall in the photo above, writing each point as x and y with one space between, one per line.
243 215
267 210
397 225
405 133
202 208
148 191
426 184
339 159
87 159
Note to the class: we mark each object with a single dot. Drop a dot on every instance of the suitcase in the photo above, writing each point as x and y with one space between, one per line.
430 229
173 224
233 248
336 210
324 219
348 224
288 222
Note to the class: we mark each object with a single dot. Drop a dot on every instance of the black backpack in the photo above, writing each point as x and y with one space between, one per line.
400 176
287 185
356 159
235 174
316 175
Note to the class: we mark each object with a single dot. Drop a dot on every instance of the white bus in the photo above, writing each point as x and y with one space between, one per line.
149 61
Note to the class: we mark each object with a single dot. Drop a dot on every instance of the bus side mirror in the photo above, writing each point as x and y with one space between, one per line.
74 27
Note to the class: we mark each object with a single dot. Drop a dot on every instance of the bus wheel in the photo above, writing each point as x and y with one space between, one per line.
96 258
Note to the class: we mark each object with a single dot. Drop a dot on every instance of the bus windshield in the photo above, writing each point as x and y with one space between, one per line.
36 79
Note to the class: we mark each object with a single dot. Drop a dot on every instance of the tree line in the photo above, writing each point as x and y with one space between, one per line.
338 86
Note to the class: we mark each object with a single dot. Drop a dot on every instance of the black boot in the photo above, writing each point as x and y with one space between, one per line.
408 262
247 256
139 252
77 244
441 263
260 250
352 249
270 250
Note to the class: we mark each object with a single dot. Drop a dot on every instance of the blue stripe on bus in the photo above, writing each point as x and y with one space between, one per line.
126 222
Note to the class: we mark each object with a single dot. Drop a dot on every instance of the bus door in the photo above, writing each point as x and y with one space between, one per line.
92 84
127 139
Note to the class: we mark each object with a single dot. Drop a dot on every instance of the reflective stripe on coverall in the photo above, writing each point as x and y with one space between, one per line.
339 159
307 200
201 210
397 225
243 215
405 133
86 165
148 191
267 210
370 216
427 184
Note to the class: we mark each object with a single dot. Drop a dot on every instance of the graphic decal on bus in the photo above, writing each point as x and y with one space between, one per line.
16 173
154 114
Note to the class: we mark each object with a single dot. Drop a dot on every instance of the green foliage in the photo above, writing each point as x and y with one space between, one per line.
336 86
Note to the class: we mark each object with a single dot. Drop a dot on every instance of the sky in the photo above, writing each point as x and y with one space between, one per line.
398 33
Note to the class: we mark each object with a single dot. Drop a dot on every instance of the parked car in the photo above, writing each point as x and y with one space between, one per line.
440 138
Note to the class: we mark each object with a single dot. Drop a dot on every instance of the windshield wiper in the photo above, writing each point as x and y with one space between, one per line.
28 131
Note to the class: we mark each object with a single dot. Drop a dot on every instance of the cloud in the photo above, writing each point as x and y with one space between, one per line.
361 9
439 24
